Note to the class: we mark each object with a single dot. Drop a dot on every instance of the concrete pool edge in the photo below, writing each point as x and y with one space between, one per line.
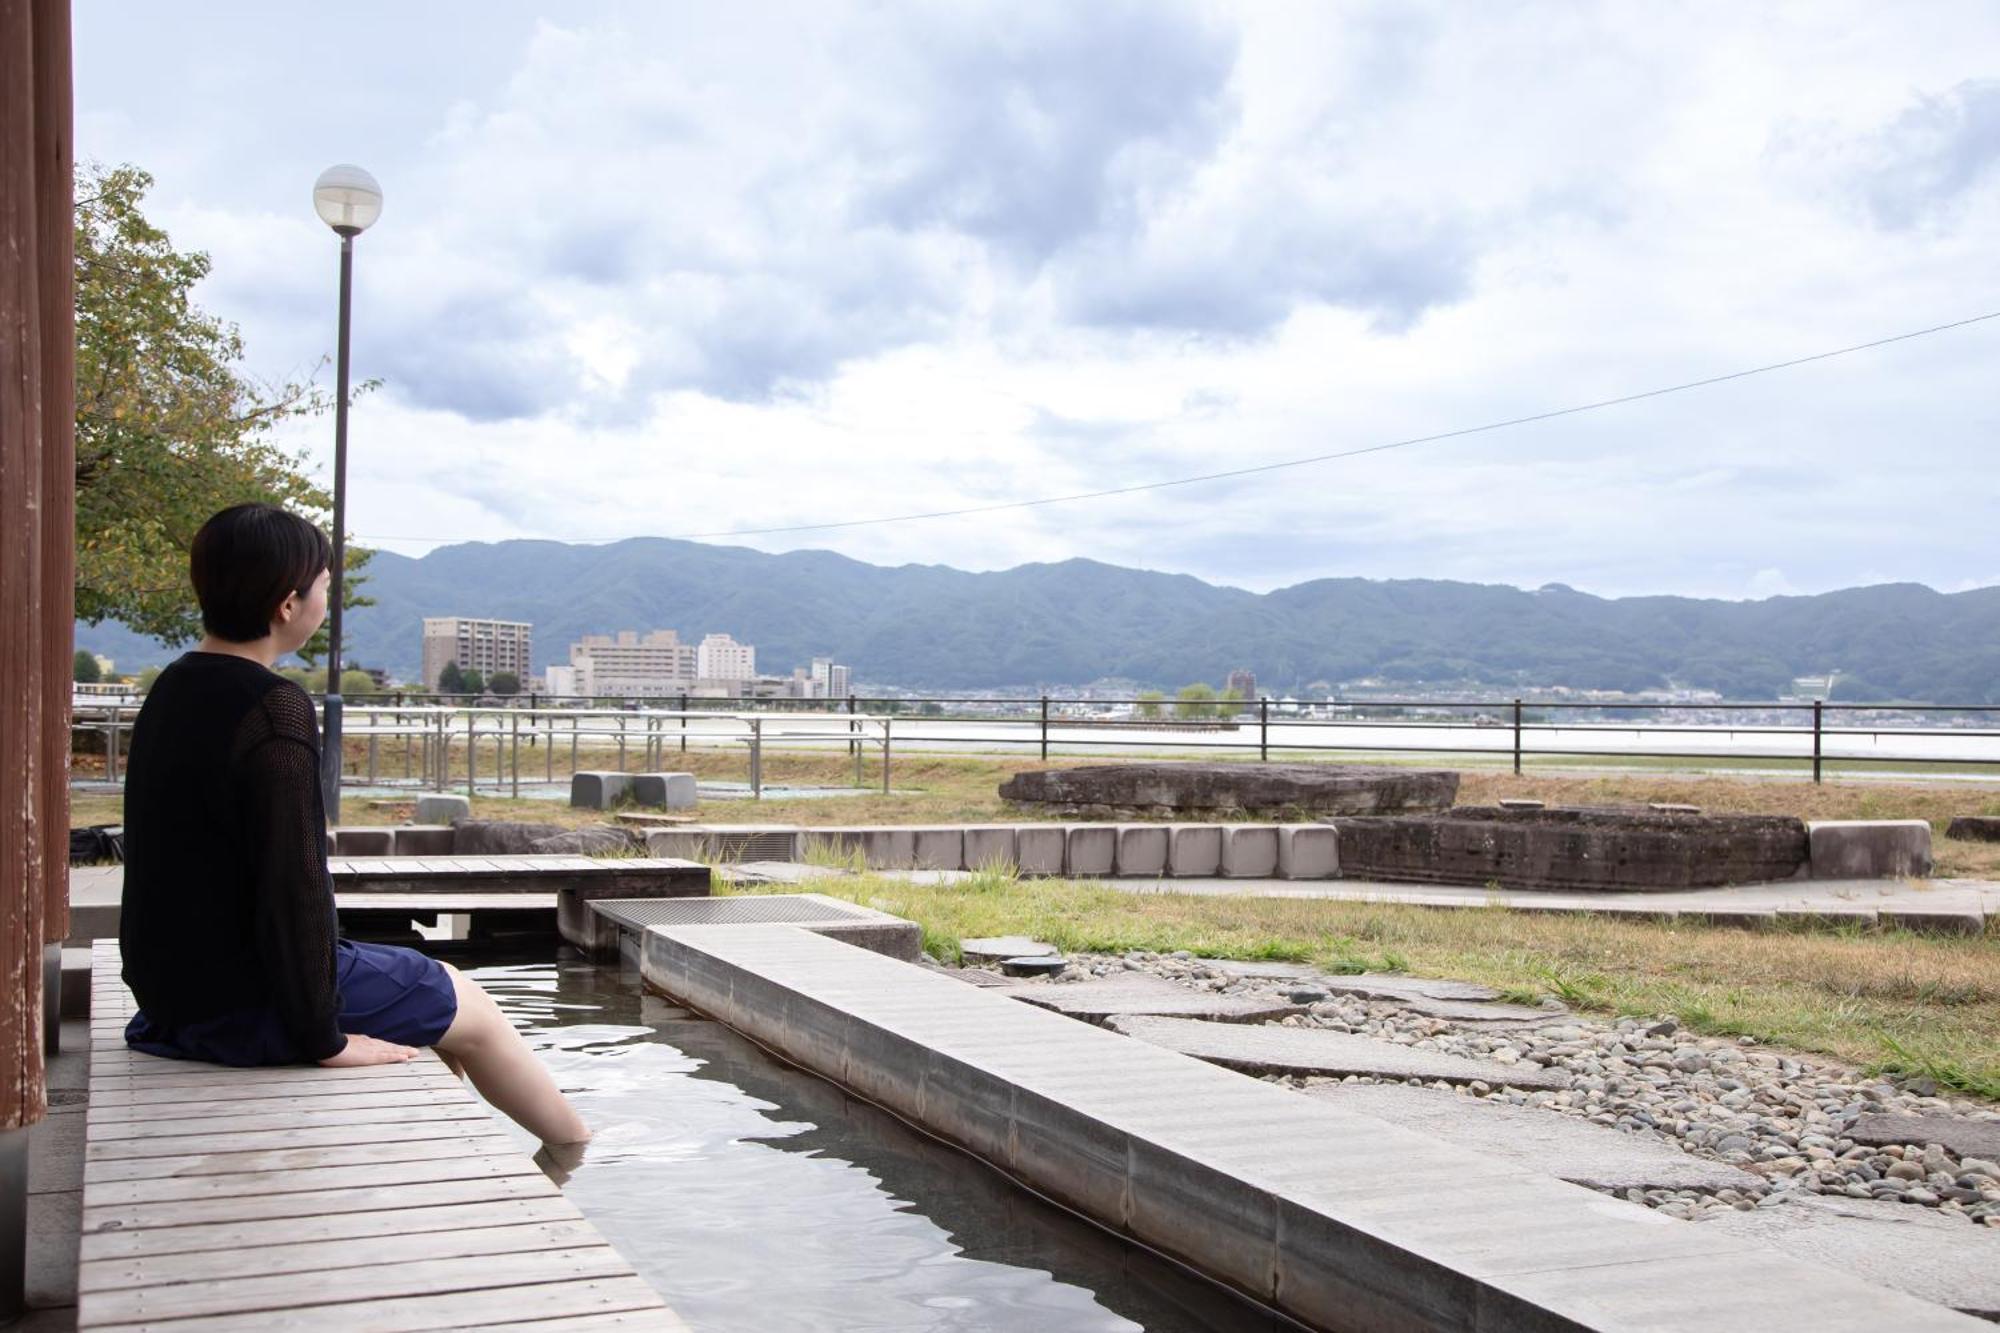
1331 1217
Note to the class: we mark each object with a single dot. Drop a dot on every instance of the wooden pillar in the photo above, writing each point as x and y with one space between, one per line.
36 508
55 244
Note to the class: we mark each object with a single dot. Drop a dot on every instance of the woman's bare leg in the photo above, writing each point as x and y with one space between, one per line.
483 1043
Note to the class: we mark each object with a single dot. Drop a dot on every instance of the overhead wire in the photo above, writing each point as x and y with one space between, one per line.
1281 464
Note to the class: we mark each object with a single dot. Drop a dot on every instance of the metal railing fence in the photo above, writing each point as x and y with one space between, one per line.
398 742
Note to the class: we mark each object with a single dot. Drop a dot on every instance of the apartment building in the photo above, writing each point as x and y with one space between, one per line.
631 666
721 658
485 646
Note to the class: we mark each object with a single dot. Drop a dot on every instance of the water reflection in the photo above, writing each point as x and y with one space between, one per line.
757 1197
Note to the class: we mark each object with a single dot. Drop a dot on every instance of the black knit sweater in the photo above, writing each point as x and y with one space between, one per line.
227 905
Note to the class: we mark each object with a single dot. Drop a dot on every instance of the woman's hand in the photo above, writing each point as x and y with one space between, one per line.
362 1050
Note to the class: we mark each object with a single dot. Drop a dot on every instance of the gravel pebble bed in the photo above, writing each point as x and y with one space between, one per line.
1777 1114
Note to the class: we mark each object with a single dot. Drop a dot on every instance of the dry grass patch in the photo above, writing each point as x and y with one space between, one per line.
1885 1000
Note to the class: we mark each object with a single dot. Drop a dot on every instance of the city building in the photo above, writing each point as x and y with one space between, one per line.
829 679
1244 681
721 658
485 646
629 666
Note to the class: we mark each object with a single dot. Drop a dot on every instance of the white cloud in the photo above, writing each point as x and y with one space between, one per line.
692 270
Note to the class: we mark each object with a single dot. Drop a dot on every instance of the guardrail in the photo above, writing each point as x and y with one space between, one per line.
409 743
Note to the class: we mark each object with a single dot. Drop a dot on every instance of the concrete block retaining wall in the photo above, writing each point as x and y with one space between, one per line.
1842 849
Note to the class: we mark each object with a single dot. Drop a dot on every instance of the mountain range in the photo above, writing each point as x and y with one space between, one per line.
1077 621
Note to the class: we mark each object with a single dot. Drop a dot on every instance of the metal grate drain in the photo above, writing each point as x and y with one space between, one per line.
766 909
774 845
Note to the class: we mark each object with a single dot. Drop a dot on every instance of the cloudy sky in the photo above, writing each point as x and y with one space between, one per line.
685 270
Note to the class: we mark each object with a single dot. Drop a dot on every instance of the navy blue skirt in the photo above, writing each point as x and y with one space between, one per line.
388 992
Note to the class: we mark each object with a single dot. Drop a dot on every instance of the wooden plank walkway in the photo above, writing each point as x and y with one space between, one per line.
382 1198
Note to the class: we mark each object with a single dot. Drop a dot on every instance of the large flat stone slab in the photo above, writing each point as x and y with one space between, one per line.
1916 1250
1570 1149
999 948
1268 1049
1342 1220
1394 986
1966 1137
1322 789
1138 993
1870 848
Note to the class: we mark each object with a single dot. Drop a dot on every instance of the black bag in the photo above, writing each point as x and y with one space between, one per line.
97 844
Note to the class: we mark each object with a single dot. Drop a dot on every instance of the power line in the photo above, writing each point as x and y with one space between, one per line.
1282 464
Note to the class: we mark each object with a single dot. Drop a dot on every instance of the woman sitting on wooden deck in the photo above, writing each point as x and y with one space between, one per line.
228 930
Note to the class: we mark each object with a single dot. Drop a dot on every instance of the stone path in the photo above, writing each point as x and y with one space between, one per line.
1911 1249
1257 1049
1569 1149
1097 1001
1952 905
1000 948
1959 1134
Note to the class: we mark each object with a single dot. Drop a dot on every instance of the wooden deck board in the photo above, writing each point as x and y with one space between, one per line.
297 1159
380 1198
356 1252
334 1226
553 1305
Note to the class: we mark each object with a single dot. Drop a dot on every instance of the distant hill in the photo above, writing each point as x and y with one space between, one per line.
1078 621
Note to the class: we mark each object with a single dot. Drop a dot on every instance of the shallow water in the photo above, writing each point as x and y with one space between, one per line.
754 1196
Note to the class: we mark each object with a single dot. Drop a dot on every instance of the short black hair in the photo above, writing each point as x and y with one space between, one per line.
246 561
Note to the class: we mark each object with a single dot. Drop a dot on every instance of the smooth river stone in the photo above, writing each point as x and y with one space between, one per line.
1563 1146
1269 1049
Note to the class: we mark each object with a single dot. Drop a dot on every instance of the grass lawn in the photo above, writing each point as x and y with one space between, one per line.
1888 1001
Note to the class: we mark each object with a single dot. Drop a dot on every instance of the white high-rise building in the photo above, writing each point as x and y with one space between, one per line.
485 646
829 679
627 666
722 658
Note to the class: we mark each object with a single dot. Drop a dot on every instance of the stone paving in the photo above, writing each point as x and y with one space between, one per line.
1275 1049
1138 994
1788 1119
1569 1149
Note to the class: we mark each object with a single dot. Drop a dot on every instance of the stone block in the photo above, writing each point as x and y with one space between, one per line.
1142 850
442 807
1194 851
500 837
424 839
598 790
663 791
1869 848
679 843
939 848
1038 849
988 846
1250 851
1090 851
1974 828
1166 787
601 841
888 848
1633 850
1000 948
1308 851
362 842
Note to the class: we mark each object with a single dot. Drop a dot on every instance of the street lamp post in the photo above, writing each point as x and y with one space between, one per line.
348 200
